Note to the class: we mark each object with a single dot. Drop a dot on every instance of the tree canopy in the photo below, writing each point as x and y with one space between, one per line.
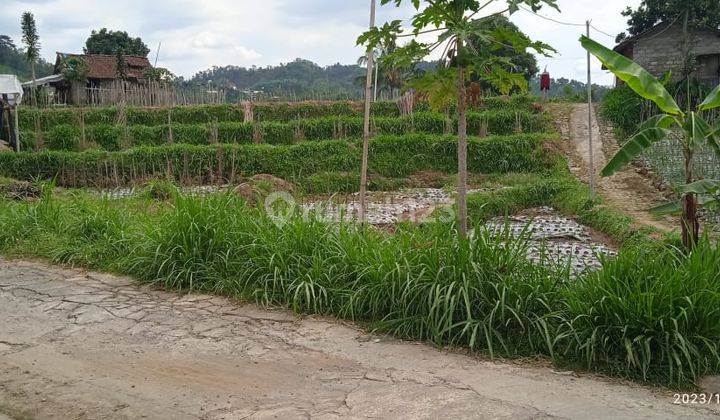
299 77
523 61
454 25
109 42
30 37
13 61
651 12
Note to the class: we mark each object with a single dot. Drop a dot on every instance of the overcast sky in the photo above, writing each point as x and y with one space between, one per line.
198 34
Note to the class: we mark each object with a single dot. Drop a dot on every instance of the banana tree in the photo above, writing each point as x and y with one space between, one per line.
686 126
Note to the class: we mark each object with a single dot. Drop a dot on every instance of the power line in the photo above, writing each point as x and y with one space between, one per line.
601 32
551 19
565 23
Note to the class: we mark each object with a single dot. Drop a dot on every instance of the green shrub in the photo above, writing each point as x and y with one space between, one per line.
160 190
623 108
235 132
332 182
63 137
106 136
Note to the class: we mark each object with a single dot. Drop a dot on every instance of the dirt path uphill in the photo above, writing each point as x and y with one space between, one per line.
75 344
627 190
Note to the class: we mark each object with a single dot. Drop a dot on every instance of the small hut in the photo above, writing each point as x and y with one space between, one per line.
100 79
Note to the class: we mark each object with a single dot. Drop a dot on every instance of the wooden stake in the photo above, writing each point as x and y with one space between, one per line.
17 128
366 122
590 139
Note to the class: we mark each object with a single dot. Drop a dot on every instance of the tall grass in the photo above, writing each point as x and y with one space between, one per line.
651 314
419 283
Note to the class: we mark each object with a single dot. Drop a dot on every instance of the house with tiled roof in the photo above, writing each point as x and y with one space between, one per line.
100 73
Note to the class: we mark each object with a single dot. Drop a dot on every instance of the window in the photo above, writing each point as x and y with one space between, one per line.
708 67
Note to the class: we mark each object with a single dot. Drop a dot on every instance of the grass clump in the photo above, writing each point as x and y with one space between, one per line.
653 313
419 283
160 189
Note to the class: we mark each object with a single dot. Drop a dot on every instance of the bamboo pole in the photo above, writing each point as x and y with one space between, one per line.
462 149
590 136
366 122
17 126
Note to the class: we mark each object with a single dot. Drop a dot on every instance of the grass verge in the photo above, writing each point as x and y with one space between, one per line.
650 314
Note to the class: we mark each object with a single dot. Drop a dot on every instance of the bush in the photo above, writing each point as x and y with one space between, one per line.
332 182
63 137
106 136
160 190
623 108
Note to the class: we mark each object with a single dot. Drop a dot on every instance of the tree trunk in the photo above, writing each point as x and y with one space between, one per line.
690 223
366 123
34 88
462 149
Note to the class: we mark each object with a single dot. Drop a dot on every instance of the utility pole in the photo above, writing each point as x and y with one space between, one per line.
366 122
590 125
157 53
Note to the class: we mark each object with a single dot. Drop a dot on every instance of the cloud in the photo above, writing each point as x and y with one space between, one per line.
198 34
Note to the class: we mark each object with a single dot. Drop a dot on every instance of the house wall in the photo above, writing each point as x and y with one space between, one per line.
662 51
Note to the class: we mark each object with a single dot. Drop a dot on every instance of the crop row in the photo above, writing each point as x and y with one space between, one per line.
116 137
390 156
44 119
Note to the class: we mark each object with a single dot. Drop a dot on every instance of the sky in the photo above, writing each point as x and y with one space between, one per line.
195 35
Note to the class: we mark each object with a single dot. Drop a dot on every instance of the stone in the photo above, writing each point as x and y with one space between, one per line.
710 384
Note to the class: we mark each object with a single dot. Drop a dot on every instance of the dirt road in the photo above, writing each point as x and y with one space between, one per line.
75 344
626 190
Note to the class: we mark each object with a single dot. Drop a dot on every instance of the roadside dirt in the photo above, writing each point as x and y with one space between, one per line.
83 345
626 191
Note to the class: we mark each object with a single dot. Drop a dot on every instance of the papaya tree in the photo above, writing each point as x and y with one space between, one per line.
455 23
686 126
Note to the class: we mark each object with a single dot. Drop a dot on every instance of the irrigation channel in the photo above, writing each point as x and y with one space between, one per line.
551 238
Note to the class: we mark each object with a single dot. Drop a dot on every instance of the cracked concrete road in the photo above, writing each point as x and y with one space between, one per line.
77 344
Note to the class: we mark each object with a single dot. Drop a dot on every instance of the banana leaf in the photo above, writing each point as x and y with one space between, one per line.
634 147
712 101
636 77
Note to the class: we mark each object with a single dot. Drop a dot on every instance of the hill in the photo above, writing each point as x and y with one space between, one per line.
12 61
300 77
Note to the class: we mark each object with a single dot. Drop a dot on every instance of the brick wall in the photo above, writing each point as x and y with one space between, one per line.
661 51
